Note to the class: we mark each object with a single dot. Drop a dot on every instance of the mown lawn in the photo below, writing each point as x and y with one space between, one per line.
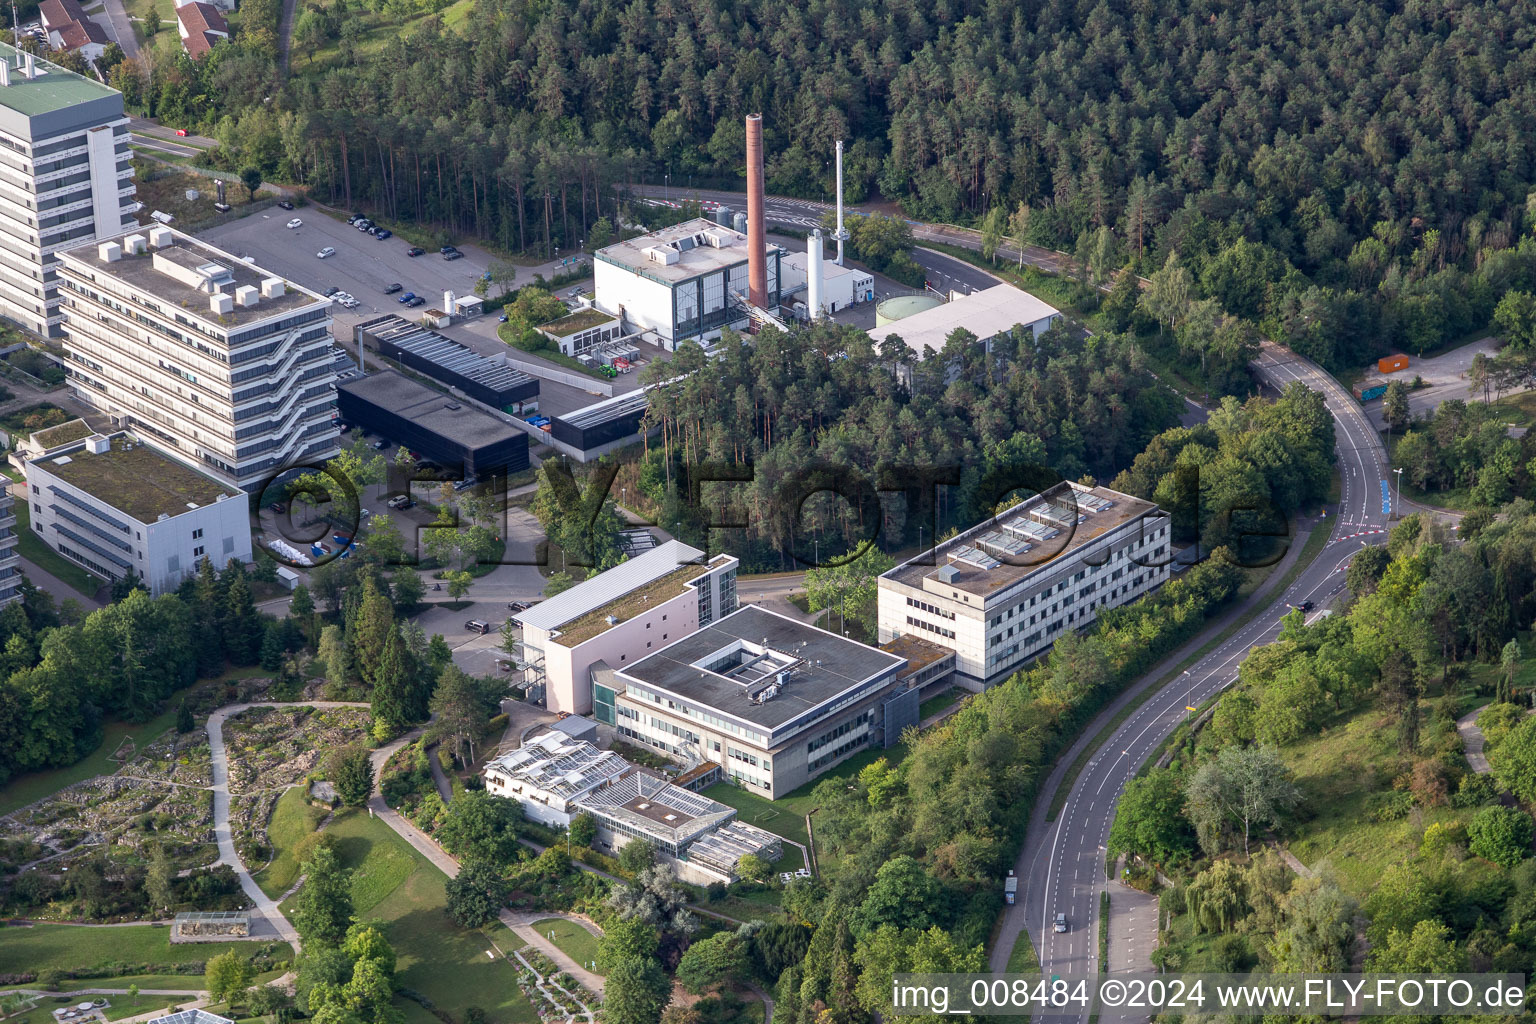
32 547
572 939
70 947
292 819
401 890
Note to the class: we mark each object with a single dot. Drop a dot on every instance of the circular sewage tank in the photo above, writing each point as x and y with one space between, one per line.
903 306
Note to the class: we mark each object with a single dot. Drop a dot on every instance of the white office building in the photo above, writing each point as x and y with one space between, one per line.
229 367
65 178
679 282
1004 591
618 617
117 507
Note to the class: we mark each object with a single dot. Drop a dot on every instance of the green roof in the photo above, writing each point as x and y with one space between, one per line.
139 482
52 91
52 437
581 320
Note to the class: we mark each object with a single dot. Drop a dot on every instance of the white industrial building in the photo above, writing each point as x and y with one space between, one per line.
618 617
839 286
65 178
117 508
772 700
229 367
986 314
1004 591
681 282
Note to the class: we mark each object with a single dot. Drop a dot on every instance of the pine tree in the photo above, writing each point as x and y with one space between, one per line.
338 659
207 600
242 623
272 647
184 722
392 688
368 628
302 610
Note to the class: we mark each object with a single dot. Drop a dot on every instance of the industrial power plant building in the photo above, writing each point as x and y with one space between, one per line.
435 426
1006 590
774 701
839 288
680 282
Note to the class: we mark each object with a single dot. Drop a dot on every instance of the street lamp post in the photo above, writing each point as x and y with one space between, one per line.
1397 506
1189 690
666 186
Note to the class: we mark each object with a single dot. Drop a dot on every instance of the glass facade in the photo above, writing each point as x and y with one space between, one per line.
602 704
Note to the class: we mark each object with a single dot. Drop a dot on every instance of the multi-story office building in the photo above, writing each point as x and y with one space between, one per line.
227 366
618 617
1002 592
774 701
118 508
65 178
679 282
10 559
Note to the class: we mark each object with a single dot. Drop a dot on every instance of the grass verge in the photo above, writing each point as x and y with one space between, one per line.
1316 541
1104 932
32 547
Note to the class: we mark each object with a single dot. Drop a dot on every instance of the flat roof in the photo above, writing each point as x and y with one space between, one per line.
573 323
137 481
657 806
56 89
558 764
456 420
919 653
829 268
193 256
442 351
62 433
1031 537
622 609
821 666
608 409
690 242
985 314
611 585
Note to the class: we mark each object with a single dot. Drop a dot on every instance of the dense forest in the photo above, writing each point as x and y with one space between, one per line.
1366 156
1341 740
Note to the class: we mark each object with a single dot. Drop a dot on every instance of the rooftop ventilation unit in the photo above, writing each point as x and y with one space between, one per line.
109 252
133 244
1030 530
98 444
973 556
945 573
246 295
221 303
664 256
160 237
271 288
1092 503
1002 544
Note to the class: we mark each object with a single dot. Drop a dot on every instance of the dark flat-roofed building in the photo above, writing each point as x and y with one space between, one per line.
437 427
774 700
491 381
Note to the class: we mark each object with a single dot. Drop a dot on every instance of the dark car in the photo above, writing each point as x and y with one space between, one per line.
283 204
502 319
445 250
390 289
417 301
382 233
380 445
332 290
277 507
455 255
407 297
354 218
415 250
1307 606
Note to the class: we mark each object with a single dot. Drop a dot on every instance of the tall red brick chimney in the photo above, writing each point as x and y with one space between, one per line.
757 242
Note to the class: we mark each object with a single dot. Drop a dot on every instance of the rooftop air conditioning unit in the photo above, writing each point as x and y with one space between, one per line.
221 303
109 252
98 444
160 237
245 295
133 244
272 288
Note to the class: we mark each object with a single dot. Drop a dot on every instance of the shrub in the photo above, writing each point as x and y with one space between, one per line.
1501 834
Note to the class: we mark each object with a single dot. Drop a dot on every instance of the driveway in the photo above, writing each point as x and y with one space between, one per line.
115 20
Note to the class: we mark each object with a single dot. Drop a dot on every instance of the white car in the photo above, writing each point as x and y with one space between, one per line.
296 223
327 251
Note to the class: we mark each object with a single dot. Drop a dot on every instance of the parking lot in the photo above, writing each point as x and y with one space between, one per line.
363 265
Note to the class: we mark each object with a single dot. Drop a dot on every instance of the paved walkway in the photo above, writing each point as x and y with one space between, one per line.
263 903
57 588
1472 740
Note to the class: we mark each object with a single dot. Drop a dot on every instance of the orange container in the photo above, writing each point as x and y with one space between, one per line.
1391 364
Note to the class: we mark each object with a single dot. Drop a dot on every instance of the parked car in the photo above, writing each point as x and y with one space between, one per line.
354 218
380 445
417 301
478 626
283 204
383 233
327 251
277 507
415 250
455 255
390 289
445 250
400 501
407 297
296 223
502 319
332 290
467 482
181 133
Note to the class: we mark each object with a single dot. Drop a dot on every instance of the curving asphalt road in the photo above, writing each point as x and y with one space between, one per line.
1062 863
